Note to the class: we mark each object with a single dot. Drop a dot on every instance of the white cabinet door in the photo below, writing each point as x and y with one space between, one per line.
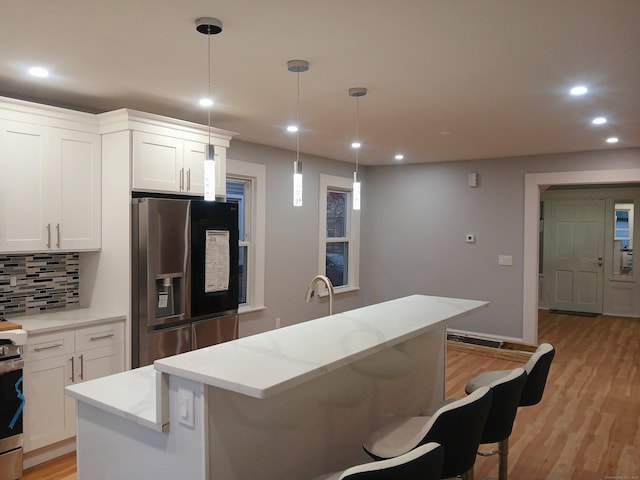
100 362
50 188
157 163
194 167
78 157
49 413
24 183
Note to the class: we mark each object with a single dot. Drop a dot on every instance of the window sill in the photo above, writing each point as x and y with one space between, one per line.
250 309
337 291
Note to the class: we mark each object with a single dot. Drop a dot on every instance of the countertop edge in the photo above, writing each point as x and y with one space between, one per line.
274 389
62 319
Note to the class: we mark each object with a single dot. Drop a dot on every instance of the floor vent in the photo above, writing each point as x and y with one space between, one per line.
474 340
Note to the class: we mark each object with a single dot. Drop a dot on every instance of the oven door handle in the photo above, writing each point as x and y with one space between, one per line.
11 365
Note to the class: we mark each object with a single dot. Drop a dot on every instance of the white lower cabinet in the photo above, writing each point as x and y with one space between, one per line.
55 360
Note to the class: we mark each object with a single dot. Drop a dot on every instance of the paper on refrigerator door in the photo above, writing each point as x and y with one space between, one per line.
216 275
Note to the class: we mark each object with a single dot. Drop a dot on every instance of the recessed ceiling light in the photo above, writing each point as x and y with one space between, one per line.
355 145
39 72
205 102
599 121
612 140
292 128
399 156
578 90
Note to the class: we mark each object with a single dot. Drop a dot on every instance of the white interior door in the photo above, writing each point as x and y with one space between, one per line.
574 252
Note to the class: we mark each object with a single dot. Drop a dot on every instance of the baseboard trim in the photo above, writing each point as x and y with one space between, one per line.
44 454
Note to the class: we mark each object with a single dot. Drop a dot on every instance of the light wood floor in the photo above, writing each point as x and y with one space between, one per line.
587 426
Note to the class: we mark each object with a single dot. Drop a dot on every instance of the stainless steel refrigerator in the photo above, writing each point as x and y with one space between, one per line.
185 276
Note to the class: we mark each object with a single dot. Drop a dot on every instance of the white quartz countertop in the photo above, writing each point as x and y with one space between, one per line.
61 319
135 395
265 364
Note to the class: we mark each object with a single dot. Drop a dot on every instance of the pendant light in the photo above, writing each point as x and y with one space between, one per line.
297 66
209 26
357 92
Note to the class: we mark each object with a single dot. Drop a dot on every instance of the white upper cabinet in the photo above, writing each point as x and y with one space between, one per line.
166 164
23 186
158 163
50 188
76 156
166 154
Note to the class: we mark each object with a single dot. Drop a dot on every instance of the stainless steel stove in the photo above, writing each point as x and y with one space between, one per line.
11 403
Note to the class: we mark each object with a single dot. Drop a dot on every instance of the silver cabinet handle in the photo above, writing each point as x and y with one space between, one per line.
58 235
188 180
181 179
48 235
81 367
101 337
73 373
48 347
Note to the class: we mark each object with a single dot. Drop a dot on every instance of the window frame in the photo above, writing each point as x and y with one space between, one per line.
342 184
254 175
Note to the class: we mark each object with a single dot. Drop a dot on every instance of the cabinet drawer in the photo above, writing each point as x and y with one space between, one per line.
99 336
49 345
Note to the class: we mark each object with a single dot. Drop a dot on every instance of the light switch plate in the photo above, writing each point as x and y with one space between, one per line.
185 407
506 260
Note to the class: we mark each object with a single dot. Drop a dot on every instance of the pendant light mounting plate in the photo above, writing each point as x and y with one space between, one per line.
208 25
357 92
297 66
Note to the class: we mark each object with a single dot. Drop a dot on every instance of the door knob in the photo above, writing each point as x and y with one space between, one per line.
599 262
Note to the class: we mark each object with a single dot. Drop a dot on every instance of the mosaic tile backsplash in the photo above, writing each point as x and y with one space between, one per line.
44 281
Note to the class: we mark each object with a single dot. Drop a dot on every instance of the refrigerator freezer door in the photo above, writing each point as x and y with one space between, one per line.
205 333
164 343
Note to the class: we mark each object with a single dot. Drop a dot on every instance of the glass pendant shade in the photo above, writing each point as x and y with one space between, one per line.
297 184
356 192
210 174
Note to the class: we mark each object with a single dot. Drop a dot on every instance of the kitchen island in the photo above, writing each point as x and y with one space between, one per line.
286 404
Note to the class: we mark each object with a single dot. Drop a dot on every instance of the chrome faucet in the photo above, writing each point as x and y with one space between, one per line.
329 285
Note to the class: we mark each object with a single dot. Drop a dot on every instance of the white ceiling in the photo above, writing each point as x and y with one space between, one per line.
494 74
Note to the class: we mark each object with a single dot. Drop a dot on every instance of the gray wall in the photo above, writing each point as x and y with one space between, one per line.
415 218
414 222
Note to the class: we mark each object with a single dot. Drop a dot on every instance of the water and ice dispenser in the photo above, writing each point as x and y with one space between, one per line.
168 295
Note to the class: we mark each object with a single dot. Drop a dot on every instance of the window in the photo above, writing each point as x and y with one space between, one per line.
623 239
339 234
246 187
239 192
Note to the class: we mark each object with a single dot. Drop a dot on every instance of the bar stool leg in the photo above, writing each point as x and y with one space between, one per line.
503 456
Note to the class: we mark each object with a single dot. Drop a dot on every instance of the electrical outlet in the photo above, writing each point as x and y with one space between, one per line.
278 322
13 281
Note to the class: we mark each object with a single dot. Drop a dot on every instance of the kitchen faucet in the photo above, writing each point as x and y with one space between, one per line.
327 282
